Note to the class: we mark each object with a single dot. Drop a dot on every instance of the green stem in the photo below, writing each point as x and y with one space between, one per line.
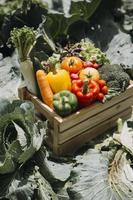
64 100
53 68
71 63
85 88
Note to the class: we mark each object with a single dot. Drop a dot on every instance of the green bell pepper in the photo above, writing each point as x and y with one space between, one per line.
65 103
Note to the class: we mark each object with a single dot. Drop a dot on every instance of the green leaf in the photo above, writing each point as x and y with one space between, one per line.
19 185
56 26
90 178
84 8
8 166
121 176
52 171
104 175
44 191
20 137
26 183
124 135
36 142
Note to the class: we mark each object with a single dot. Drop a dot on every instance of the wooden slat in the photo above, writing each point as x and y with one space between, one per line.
75 143
56 136
93 109
22 93
39 105
94 120
84 125
43 109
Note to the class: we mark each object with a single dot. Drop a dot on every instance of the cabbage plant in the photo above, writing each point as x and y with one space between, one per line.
105 172
20 137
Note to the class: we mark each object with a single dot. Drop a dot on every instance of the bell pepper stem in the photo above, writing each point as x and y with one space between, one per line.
88 75
71 62
64 100
85 88
53 68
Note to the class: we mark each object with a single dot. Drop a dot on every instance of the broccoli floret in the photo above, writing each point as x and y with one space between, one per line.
115 76
110 68
114 84
107 77
123 79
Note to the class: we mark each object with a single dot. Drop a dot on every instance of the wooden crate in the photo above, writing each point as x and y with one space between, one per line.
66 135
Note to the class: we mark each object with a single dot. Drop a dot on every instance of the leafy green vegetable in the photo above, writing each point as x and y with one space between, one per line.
24 40
8 7
84 9
25 184
115 76
56 25
91 53
44 190
125 136
108 174
20 137
24 12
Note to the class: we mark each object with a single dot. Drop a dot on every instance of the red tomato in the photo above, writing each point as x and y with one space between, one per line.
100 97
104 89
101 82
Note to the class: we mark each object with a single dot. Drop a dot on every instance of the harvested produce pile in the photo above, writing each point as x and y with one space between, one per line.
27 169
79 76
75 77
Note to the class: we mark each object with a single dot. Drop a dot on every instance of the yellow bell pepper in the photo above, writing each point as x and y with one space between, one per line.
59 80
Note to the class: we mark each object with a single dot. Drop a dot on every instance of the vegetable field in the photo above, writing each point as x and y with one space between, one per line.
69 55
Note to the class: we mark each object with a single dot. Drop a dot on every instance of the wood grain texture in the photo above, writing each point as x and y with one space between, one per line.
91 110
66 135
72 145
94 120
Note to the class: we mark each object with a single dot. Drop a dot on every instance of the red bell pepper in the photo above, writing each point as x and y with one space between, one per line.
86 91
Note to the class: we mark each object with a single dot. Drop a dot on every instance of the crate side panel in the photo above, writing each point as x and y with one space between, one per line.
43 109
93 109
94 120
55 136
39 105
75 143
22 94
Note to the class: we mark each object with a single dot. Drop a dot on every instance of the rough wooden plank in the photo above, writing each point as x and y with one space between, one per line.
22 94
39 105
43 109
56 136
86 112
75 143
91 121
94 120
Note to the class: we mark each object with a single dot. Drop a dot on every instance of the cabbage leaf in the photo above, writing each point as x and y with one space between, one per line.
107 175
20 137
